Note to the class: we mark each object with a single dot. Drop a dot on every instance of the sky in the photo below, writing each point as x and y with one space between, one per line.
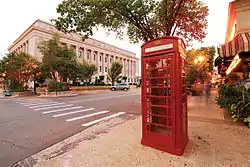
17 15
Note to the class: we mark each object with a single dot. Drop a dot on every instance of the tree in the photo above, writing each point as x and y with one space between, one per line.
101 78
200 63
85 71
143 19
115 71
124 78
19 68
90 71
58 58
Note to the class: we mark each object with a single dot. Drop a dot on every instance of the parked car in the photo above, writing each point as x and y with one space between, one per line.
120 86
7 93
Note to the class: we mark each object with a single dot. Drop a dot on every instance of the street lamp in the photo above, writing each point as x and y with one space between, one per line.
201 58
4 75
195 61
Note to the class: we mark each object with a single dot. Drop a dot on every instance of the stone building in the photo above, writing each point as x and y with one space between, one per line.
92 51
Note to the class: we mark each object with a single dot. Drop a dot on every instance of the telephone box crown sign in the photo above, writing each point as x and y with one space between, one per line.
160 47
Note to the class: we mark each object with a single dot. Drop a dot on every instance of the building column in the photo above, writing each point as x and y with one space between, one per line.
78 55
124 67
134 68
26 45
84 52
128 68
131 62
103 56
98 63
108 62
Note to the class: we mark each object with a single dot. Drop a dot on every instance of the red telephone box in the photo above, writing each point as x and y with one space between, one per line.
164 95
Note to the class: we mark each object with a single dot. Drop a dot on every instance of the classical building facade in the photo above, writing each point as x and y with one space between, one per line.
92 51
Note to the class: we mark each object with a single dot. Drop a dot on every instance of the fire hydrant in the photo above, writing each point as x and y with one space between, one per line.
46 92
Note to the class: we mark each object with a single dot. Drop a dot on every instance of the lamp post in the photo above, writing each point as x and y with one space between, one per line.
56 75
4 75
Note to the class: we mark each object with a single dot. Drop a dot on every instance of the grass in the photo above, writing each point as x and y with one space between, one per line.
81 88
89 87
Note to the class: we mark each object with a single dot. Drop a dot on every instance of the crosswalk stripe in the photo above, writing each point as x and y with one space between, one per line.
37 109
47 105
23 101
32 100
73 112
102 119
86 116
62 109
33 104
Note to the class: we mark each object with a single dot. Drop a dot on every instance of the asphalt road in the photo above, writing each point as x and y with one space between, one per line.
29 125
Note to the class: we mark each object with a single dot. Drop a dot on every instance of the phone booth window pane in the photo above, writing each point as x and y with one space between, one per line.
160 91
162 72
158 82
147 65
158 101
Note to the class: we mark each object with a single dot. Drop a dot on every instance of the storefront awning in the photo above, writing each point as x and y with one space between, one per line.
240 43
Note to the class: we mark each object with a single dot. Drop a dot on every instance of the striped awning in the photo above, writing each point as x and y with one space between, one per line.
240 43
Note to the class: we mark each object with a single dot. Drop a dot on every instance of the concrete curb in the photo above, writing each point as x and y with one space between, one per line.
54 96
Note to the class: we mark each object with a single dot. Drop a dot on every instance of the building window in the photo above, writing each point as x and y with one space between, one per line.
105 59
101 58
100 68
94 57
88 55
80 54
106 69
110 60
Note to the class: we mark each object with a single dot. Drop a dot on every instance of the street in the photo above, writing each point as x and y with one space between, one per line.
29 125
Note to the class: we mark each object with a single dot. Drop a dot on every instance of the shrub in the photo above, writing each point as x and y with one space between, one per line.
15 86
60 86
236 99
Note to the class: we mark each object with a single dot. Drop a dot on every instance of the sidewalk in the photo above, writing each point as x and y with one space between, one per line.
214 142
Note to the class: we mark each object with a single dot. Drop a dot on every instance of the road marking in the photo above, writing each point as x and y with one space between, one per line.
47 105
33 104
37 109
109 97
102 119
32 100
29 100
86 116
73 112
62 109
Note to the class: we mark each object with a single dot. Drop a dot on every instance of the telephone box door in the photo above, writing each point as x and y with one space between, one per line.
158 86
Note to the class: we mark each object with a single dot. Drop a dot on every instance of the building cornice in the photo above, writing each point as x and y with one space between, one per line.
72 37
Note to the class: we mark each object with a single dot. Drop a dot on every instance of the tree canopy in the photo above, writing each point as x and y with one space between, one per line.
115 71
58 58
19 68
143 19
200 63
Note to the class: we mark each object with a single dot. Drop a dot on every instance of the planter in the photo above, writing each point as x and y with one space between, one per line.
27 93
228 117
62 93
